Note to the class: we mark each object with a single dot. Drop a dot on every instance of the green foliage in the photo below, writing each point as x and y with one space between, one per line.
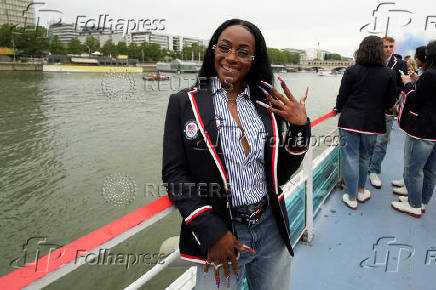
92 44
122 48
109 49
6 35
333 56
28 40
75 47
152 51
56 46
282 57
195 51
134 51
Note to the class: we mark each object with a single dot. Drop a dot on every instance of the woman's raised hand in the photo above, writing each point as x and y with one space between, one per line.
287 107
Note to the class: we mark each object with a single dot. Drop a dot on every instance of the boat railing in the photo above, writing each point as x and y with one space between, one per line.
304 195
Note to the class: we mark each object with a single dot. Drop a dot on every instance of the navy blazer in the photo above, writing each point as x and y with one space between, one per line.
397 65
195 172
417 112
365 94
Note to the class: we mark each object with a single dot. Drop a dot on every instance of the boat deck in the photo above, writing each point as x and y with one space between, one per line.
373 247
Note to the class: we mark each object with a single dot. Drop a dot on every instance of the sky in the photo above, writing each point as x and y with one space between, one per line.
335 25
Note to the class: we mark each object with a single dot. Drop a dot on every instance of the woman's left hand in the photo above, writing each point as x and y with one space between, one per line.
289 108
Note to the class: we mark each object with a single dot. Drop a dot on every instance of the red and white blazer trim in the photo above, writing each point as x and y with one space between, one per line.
201 260
196 212
275 153
400 113
295 152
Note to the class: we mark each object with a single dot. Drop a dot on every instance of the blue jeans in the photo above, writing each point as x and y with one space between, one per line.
269 268
380 147
356 150
419 170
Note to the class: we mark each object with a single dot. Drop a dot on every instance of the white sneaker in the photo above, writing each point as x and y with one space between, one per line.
400 191
398 183
403 198
349 203
406 199
363 196
405 207
375 181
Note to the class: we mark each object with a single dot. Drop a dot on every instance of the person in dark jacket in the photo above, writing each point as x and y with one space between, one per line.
394 62
417 117
367 90
225 156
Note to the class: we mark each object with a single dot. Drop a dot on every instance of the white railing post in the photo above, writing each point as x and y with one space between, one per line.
307 171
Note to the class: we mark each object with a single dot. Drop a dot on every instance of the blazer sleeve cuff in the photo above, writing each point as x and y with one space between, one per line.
208 230
298 138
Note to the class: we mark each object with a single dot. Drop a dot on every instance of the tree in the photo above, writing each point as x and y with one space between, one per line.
333 56
282 57
122 48
56 46
194 51
174 54
92 43
75 47
109 49
134 51
6 35
31 40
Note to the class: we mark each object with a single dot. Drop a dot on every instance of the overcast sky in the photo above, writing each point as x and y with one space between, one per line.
335 24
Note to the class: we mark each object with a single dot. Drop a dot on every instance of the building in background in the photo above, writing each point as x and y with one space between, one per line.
17 12
64 31
300 52
166 41
103 35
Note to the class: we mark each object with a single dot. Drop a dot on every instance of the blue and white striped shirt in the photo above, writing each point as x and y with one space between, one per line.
246 174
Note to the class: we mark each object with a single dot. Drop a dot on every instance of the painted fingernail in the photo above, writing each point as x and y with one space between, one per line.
266 84
217 284
263 90
249 249
228 281
280 79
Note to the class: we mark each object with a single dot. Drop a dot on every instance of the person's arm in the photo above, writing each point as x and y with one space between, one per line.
391 94
400 85
296 144
344 91
416 96
196 211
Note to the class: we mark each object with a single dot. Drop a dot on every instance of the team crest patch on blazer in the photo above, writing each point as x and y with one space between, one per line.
191 130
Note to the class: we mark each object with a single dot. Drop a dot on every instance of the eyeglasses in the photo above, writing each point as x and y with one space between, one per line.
242 54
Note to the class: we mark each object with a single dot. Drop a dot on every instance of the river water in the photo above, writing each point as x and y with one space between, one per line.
66 137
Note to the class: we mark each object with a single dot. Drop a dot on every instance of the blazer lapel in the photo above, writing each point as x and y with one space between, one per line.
204 112
271 145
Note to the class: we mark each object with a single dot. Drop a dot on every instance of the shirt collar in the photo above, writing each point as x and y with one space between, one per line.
389 59
217 88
